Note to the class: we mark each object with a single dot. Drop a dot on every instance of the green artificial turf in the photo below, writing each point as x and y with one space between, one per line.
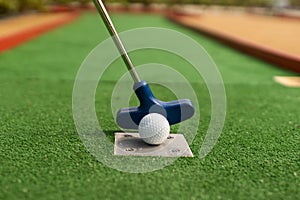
42 156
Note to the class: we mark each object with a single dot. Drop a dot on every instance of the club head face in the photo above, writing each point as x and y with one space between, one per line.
175 111
129 118
178 111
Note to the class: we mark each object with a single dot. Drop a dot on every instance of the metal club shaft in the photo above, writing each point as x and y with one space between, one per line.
112 30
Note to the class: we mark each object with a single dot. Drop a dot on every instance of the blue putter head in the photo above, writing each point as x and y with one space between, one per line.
175 111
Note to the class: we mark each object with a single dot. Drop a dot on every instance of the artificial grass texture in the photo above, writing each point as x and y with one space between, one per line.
42 157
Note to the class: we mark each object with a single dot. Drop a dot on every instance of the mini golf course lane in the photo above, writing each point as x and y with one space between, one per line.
16 30
42 156
272 39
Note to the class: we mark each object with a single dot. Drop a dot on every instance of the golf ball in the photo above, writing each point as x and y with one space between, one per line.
154 129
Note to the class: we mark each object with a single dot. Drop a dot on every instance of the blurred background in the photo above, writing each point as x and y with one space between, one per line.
16 6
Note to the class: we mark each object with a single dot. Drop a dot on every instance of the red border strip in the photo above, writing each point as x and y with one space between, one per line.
16 39
270 55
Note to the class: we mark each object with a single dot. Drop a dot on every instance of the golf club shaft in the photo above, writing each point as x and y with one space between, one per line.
112 30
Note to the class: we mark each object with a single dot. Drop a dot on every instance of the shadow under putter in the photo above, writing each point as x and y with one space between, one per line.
129 118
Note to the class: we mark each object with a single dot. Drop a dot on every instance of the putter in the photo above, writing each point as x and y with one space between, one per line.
129 118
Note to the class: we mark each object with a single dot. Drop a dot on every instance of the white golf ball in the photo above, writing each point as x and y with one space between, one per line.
154 129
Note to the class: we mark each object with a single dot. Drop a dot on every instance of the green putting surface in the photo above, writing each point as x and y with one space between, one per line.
42 156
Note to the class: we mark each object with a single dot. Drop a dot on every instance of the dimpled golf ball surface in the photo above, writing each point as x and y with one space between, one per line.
154 129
